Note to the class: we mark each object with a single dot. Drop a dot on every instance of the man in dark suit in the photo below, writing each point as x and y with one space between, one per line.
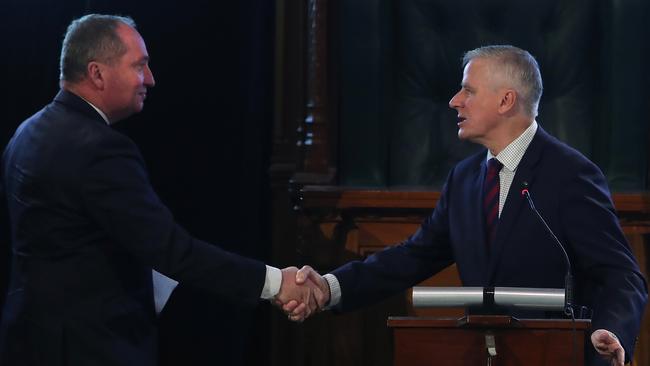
484 225
87 227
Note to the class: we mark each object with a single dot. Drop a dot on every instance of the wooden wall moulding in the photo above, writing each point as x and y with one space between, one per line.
347 197
633 208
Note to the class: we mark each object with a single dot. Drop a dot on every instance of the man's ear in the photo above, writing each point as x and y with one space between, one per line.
508 101
95 72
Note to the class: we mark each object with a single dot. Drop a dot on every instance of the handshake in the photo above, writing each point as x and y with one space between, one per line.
302 293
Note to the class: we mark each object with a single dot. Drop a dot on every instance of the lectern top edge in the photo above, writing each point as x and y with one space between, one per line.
489 321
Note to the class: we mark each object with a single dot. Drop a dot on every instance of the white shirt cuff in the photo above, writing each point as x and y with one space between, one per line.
335 290
272 283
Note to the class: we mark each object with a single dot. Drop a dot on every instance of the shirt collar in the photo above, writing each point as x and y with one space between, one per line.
98 111
514 152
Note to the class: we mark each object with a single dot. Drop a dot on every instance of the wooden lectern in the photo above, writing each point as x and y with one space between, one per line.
470 340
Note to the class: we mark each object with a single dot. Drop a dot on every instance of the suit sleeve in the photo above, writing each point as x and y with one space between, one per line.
398 267
605 270
118 196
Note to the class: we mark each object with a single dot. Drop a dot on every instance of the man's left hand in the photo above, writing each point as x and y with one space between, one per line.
608 346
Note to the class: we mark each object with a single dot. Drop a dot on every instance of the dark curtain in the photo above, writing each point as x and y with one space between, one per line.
205 135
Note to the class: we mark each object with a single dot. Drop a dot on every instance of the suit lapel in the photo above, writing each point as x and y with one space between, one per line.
515 202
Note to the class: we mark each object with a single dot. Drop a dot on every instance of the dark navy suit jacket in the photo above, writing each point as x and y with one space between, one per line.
87 228
572 195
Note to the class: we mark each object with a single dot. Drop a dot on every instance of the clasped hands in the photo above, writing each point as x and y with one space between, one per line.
302 293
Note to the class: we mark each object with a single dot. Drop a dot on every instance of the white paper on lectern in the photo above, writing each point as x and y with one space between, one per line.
163 287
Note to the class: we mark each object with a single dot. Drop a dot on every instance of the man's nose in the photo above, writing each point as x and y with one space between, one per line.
148 78
454 102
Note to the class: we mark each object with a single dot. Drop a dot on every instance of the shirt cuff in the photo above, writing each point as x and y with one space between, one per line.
335 290
272 283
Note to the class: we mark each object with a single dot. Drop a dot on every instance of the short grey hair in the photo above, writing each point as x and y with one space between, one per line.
92 37
518 67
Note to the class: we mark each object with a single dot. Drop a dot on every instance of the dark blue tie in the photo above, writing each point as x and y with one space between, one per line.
491 199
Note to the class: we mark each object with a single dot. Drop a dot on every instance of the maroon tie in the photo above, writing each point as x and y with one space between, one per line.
491 199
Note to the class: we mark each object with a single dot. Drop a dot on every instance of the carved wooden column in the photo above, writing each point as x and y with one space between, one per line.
304 143
313 132
316 133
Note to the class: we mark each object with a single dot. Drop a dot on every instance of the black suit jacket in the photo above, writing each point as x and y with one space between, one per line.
87 228
569 191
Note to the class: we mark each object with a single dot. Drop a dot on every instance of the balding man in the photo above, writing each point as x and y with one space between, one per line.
87 227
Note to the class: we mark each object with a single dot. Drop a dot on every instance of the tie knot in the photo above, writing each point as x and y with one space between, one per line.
494 165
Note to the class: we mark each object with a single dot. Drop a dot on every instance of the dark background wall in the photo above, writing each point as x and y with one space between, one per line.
204 134
400 66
